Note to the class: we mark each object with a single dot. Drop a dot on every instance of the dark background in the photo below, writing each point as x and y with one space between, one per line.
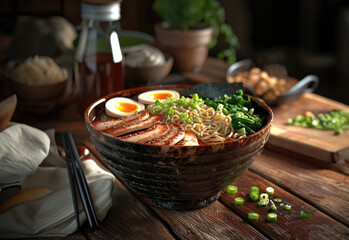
306 36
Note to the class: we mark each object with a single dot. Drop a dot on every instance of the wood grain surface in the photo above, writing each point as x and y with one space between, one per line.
289 224
324 189
322 145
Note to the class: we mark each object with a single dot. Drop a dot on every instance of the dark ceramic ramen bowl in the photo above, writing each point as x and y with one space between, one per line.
177 177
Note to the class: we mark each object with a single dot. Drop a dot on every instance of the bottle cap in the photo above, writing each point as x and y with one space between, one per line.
100 10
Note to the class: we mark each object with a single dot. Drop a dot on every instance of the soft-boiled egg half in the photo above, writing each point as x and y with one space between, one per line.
120 107
151 96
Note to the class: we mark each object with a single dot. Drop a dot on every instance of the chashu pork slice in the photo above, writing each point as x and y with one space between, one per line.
173 136
134 127
157 130
189 140
122 121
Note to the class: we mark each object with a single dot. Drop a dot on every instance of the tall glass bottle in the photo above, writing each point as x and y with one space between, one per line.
98 58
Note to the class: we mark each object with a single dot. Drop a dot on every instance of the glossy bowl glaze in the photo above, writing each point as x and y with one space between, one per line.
177 177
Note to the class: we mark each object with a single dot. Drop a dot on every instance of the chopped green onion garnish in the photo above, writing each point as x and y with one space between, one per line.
263 196
281 204
170 112
232 189
239 201
253 216
277 200
253 196
269 190
183 116
273 207
272 217
287 207
254 192
156 109
263 202
305 215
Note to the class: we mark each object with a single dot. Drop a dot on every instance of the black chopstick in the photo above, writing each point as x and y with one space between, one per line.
71 181
75 170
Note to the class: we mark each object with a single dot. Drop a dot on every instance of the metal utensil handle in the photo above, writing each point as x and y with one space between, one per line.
307 84
243 65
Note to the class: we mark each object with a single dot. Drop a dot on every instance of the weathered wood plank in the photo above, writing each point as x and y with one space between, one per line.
212 222
289 224
325 189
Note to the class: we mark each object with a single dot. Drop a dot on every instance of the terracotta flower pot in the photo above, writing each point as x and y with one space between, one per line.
188 48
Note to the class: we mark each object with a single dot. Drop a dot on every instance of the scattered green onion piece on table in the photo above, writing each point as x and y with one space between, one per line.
273 207
263 202
272 217
253 196
305 215
253 216
277 200
287 207
254 193
269 191
281 204
239 201
263 196
232 189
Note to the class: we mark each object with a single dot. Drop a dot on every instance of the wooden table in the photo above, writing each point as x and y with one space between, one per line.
303 182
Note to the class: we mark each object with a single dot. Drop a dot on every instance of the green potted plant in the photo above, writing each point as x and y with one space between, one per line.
190 28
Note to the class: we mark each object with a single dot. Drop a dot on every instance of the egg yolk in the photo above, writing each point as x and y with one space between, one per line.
160 96
126 107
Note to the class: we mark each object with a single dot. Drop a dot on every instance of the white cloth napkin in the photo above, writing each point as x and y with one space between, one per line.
53 215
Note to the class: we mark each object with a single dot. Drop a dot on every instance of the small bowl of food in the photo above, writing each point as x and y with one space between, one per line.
36 79
274 90
146 65
176 149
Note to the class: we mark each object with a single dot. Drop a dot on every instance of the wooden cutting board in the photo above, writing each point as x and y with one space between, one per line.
318 144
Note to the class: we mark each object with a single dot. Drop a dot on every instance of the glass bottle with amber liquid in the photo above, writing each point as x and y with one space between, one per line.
98 59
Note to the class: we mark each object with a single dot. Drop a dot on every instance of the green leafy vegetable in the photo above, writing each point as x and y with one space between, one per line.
186 14
238 109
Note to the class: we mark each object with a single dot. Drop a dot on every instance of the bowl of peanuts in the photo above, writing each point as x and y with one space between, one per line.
274 90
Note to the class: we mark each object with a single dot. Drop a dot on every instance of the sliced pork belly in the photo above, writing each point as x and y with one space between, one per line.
157 130
174 135
122 121
189 140
124 129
